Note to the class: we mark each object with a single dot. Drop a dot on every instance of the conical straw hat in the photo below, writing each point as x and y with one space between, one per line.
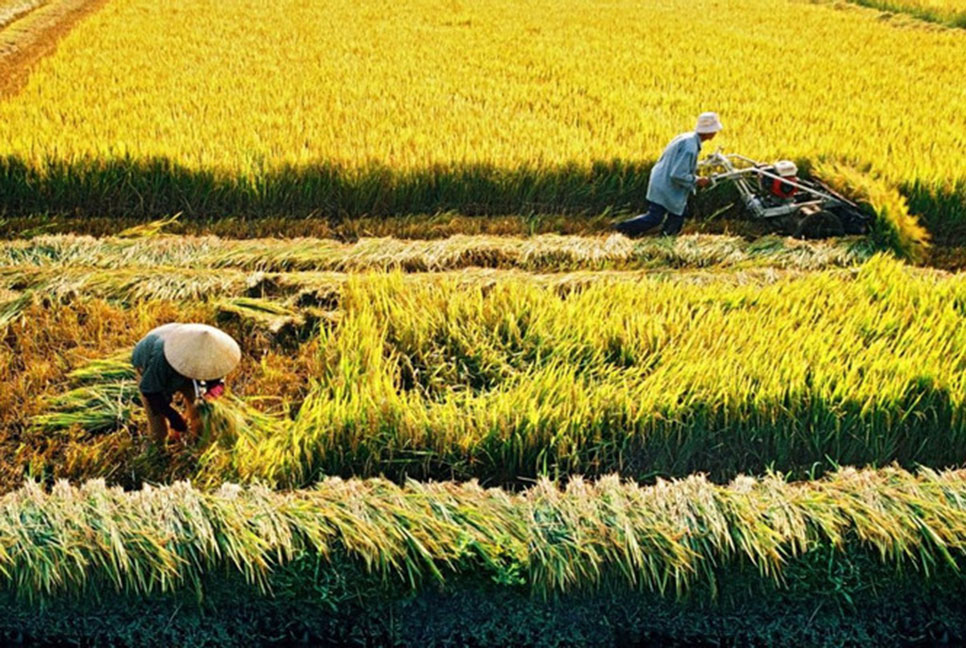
200 351
163 330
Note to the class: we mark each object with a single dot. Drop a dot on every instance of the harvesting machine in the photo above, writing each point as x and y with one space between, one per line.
775 193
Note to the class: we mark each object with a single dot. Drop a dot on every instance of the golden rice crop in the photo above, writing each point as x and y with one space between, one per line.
358 107
443 85
667 538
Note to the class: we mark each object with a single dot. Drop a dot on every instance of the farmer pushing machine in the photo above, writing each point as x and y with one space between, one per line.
772 193
187 359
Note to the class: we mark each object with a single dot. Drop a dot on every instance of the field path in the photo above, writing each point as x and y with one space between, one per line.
34 36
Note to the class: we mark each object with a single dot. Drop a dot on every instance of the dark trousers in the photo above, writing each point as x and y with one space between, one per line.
655 216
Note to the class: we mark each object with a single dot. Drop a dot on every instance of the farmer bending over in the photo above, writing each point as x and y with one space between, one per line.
190 359
672 179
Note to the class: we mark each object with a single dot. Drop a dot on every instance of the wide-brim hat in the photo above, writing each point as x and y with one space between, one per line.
200 351
708 123
163 330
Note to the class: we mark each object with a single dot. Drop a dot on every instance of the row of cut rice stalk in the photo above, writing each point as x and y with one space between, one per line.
548 252
302 290
11 10
946 12
666 538
435 225
511 380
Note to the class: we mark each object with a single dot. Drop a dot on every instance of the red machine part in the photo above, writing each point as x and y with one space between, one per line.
782 186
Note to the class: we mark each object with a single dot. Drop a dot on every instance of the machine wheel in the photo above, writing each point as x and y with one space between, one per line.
855 221
787 225
820 224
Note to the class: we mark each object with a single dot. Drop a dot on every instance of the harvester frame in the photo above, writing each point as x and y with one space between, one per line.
773 192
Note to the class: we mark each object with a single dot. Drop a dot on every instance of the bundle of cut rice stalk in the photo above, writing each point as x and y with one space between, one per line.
96 408
114 368
148 229
12 306
275 317
229 424
104 398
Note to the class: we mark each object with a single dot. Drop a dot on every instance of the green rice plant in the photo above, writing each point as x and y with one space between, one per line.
668 538
511 380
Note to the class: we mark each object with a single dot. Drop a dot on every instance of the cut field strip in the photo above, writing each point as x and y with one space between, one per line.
950 13
12 10
541 253
33 34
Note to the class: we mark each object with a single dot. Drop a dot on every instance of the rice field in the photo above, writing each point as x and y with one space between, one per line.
459 387
568 118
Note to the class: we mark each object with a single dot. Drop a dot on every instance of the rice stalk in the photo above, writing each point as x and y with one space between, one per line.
669 538
546 253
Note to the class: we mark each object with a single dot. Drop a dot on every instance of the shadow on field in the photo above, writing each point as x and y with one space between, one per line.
147 189
157 187
135 190
829 599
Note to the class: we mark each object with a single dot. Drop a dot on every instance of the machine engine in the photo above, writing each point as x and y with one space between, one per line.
778 187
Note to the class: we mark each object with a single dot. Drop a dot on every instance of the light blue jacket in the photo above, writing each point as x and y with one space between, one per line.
673 177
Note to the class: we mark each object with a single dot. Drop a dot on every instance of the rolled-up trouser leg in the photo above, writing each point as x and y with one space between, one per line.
672 224
157 424
640 224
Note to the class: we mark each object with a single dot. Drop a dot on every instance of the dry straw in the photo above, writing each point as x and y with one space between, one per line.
543 253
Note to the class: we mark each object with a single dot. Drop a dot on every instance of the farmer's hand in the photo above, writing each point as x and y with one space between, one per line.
215 392
703 182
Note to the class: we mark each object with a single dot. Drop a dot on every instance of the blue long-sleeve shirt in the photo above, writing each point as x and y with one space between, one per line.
673 177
